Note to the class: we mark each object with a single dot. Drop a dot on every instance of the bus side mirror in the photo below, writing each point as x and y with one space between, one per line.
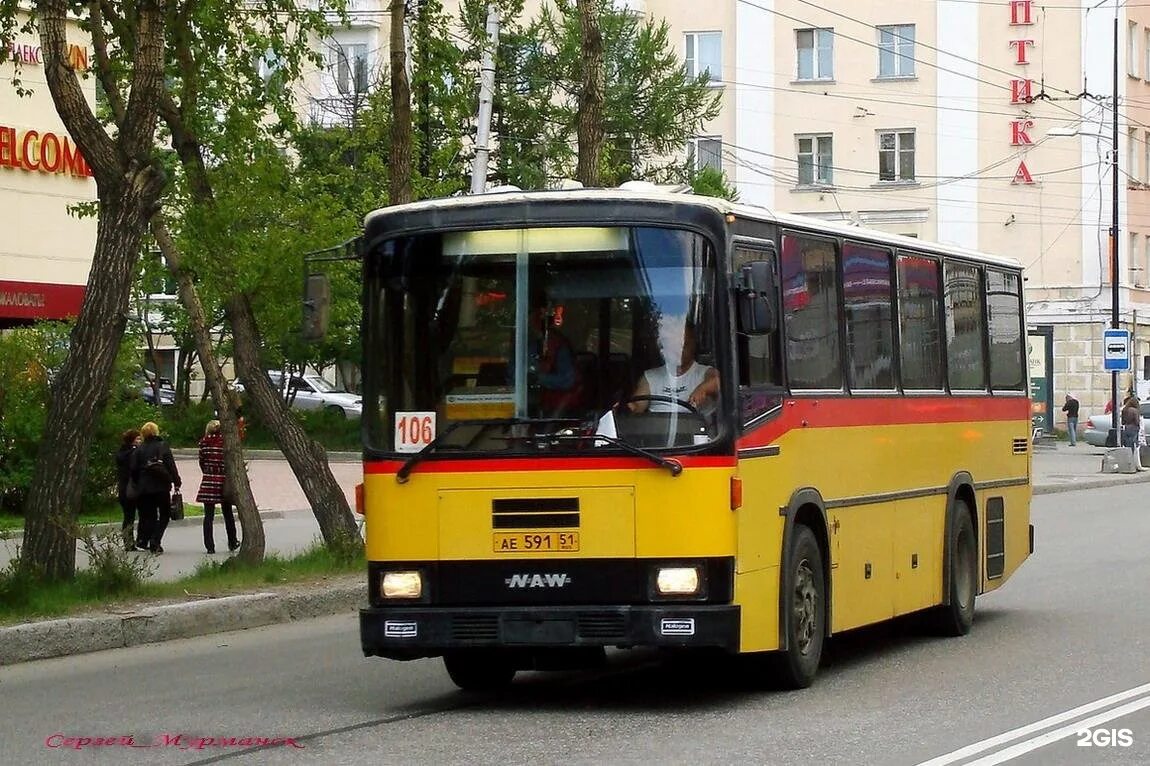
316 307
757 314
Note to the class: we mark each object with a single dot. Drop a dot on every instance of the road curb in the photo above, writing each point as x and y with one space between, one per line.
155 624
1116 481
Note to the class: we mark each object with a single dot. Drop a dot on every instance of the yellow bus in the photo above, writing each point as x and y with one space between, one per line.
629 418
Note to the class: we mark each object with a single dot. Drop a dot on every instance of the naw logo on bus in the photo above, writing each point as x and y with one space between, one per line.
548 580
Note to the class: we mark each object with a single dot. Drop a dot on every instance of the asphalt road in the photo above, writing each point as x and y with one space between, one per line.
1068 631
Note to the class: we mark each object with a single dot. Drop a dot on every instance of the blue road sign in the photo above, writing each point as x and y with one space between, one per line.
1116 350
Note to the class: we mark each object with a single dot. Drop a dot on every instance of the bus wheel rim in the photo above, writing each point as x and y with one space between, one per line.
806 605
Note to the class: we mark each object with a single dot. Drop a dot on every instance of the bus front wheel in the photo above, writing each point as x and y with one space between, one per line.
479 671
956 617
806 614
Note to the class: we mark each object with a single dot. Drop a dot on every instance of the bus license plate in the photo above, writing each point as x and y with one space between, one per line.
535 542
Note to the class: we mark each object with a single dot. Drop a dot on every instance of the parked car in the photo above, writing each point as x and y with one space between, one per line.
1098 426
313 392
148 391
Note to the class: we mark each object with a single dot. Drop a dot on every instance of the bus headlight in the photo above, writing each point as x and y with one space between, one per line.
401 585
677 581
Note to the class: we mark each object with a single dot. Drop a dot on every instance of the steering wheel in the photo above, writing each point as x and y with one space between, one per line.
659 398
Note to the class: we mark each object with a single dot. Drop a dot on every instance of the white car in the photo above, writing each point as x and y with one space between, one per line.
313 392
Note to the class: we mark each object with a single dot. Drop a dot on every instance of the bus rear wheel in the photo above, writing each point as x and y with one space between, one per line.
806 615
479 671
956 617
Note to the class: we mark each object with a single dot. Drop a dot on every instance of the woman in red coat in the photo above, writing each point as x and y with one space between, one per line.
212 487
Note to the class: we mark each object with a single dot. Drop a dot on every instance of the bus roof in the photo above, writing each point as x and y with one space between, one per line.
722 206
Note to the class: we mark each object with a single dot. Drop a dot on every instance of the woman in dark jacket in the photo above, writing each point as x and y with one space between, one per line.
153 469
127 494
212 487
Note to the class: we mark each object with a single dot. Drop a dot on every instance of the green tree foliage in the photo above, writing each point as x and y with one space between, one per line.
30 360
651 108
710 182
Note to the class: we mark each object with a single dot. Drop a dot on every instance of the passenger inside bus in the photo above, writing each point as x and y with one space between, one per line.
694 383
551 363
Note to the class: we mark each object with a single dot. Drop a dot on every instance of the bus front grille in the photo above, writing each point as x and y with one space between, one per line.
602 625
479 627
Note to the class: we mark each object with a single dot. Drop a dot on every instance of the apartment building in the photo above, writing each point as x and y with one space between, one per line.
986 125
46 251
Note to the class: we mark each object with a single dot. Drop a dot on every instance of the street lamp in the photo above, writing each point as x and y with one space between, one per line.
1111 439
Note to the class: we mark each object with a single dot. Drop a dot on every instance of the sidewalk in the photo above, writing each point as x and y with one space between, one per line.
1062 468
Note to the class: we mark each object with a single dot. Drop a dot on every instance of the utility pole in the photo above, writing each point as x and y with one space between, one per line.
486 95
1115 438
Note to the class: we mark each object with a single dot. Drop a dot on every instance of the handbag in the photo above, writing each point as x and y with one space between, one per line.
227 491
177 509
131 492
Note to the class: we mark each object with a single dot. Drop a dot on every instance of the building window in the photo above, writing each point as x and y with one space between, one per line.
809 276
920 337
1132 49
706 152
350 66
1146 55
896 155
962 300
816 53
867 304
1004 304
896 51
815 160
1132 155
704 54
1132 259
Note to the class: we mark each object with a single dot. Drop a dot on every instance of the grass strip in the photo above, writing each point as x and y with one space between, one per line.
23 598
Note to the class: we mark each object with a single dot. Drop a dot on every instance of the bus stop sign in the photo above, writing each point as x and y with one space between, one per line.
1116 350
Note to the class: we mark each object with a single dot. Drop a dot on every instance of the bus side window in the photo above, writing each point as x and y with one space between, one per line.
759 359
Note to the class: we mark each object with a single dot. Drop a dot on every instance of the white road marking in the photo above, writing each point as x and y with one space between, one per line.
1053 736
1037 726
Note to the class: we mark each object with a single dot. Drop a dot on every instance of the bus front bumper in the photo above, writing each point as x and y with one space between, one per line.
411 633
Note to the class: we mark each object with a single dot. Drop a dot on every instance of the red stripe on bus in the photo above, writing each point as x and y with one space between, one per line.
490 465
846 412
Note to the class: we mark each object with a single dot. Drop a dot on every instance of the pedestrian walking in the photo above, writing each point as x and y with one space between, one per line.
1131 426
1071 410
153 469
126 488
213 487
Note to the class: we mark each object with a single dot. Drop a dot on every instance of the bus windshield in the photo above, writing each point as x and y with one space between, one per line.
510 336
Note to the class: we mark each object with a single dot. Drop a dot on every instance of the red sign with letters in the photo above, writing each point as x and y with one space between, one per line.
1021 89
39 300
37 152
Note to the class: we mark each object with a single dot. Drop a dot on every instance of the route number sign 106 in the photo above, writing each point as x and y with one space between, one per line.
413 430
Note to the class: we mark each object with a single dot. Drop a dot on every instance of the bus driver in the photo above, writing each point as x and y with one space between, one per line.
692 382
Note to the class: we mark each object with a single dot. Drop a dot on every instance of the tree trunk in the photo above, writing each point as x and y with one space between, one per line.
80 387
128 185
399 185
307 457
253 542
590 117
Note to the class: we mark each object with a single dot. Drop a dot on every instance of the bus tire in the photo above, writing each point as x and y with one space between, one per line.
956 617
795 667
478 671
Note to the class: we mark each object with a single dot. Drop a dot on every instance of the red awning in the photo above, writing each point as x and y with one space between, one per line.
39 300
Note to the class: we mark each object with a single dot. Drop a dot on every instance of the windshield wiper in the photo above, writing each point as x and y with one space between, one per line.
672 465
438 442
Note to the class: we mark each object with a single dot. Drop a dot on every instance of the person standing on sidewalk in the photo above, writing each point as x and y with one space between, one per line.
1071 410
153 469
126 488
212 487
